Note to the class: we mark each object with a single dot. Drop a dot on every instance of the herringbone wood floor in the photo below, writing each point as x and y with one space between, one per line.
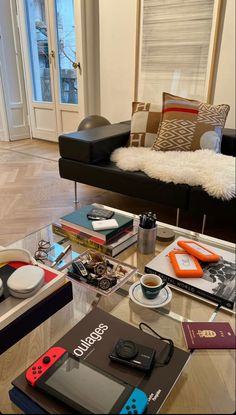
32 194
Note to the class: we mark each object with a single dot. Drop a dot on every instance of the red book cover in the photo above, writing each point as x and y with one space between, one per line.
209 335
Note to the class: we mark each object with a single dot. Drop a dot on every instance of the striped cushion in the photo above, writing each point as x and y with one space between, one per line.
190 125
144 124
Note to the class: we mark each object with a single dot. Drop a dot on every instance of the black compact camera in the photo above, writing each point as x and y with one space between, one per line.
132 354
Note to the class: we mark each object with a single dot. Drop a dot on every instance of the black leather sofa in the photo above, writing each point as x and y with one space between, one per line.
85 158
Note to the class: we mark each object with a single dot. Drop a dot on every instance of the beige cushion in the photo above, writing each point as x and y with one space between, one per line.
144 124
190 125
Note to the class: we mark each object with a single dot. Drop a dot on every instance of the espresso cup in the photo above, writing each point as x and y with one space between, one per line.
151 285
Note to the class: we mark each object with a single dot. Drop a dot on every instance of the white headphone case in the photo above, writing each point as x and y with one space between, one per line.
25 281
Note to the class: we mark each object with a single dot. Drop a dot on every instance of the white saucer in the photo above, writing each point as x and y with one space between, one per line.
136 295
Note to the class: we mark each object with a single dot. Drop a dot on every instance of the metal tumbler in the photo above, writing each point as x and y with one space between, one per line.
147 240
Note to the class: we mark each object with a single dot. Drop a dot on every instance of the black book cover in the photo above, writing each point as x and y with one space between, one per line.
83 341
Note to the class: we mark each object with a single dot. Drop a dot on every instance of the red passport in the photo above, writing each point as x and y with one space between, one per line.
209 335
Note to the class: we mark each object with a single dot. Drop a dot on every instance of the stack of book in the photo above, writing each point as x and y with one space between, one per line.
78 228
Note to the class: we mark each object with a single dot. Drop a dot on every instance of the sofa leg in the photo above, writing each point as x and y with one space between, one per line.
177 217
204 223
76 193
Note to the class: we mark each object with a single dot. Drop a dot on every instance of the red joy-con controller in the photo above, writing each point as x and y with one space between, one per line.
43 363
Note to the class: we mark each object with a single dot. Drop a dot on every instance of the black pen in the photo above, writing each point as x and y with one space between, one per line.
61 255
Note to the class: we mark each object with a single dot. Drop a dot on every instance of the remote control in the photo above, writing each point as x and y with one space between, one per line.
100 225
43 364
136 403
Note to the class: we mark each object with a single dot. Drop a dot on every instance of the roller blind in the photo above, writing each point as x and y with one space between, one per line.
174 48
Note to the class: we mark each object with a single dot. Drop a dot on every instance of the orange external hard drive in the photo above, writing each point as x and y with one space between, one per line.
185 265
199 251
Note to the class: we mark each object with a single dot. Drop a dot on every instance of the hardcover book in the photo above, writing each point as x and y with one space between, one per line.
122 241
78 220
217 284
209 335
11 307
84 342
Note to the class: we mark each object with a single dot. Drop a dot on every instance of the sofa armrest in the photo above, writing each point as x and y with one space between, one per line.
228 144
95 144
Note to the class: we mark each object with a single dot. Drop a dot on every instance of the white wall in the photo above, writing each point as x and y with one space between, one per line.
117 58
225 79
90 29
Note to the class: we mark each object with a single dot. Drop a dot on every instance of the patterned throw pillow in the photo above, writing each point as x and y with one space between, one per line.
144 124
190 125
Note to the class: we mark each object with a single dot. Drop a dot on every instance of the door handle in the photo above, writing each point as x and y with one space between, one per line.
52 55
76 65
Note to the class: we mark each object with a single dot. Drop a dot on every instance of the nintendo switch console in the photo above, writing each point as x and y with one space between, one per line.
82 386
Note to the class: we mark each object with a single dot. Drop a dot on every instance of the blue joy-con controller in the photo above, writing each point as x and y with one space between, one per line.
136 404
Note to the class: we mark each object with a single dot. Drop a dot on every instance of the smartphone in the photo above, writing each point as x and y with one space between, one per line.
82 386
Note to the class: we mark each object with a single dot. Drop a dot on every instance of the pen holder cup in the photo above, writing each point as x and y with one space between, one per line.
146 240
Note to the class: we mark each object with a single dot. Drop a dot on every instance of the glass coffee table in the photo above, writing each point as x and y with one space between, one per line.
207 384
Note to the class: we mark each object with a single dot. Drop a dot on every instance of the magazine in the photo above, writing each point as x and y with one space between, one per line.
217 284
157 384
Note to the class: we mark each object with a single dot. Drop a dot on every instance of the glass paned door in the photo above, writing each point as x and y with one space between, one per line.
66 43
37 29
52 42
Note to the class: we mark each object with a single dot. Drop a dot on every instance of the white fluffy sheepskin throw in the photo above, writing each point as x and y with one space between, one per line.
214 172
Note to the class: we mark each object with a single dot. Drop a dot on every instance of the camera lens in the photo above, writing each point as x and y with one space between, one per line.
126 349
